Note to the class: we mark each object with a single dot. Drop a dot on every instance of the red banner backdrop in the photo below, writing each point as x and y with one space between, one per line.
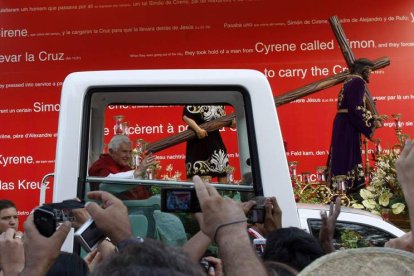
291 42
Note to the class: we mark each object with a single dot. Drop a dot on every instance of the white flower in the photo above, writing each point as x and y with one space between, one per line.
357 206
365 194
369 203
397 208
384 199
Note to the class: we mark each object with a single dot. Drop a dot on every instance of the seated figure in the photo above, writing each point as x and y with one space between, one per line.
116 164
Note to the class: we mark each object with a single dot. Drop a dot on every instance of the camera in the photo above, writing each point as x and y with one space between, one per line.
45 221
256 214
47 216
179 200
89 235
260 245
205 265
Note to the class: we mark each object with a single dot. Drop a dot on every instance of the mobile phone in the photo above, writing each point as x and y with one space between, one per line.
89 235
260 245
256 214
179 200
45 221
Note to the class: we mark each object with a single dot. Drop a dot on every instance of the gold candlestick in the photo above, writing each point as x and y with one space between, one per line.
118 127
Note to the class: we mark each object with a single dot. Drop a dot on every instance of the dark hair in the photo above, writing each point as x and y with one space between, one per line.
5 203
292 246
150 257
68 264
360 64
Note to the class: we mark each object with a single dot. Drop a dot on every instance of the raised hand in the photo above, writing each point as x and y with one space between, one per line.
273 215
103 216
41 252
326 234
11 252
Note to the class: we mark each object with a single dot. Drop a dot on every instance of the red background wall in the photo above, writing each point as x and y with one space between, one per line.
57 39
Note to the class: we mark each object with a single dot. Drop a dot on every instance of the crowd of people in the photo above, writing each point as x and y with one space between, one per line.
288 250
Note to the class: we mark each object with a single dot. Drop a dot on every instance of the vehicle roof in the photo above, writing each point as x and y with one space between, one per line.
343 209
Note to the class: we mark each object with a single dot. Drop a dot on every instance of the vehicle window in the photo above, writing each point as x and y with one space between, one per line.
353 235
149 125
156 127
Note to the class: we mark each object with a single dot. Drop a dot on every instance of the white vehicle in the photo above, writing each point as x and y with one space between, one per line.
371 228
87 95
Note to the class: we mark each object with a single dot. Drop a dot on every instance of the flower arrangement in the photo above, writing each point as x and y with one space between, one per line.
384 192
169 176
305 195
352 239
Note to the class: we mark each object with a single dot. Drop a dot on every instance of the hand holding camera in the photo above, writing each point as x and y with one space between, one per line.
89 235
218 212
256 214
273 216
212 265
112 207
267 214
40 251
47 216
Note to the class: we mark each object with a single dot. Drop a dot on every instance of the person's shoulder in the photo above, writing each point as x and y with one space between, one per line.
101 166
357 79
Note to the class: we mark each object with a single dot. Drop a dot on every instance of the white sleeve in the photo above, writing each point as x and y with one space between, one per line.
123 175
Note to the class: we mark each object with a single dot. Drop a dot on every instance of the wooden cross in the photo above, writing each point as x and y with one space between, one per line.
287 97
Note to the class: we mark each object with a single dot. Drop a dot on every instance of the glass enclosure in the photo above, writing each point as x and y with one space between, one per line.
153 119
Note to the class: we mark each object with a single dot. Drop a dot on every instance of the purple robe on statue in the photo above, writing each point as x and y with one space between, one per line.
352 119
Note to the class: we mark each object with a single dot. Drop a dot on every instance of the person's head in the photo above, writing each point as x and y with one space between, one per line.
292 246
378 261
120 149
68 264
362 67
8 215
150 257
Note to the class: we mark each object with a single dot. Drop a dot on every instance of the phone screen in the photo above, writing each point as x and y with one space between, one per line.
92 235
179 200
89 235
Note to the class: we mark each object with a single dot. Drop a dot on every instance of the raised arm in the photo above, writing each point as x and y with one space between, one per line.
225 222
196 246
405 174
201 133
327 231
143 166
103 215
41 252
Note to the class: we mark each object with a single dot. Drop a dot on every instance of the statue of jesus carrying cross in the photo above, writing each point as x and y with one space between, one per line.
357 75
353 118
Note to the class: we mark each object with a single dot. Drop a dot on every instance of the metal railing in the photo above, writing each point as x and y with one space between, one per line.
167 183
43 185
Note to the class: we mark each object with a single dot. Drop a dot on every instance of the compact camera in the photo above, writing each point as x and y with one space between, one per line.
205 265
259 245
179 200
47 216
256 214
89 235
